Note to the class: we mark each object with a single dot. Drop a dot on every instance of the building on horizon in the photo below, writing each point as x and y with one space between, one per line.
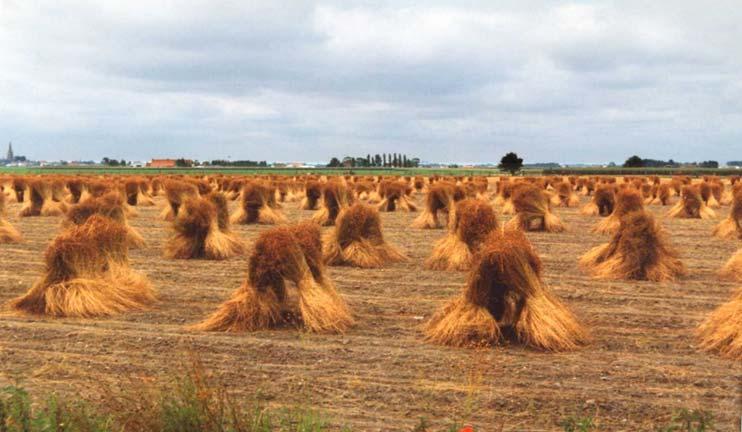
161 163
11 159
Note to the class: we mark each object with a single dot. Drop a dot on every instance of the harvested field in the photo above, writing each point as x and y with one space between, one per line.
641 367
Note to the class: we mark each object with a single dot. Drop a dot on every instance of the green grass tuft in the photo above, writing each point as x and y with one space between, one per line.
190 404
690 421
18 415
577 424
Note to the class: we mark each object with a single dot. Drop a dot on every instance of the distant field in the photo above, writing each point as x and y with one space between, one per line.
252 171
374 171
643 171
641 368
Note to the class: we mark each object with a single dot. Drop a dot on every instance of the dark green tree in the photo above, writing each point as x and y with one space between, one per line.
112 162
511 163
334 163
634 162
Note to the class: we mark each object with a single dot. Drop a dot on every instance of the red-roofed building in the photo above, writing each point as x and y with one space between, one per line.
161 163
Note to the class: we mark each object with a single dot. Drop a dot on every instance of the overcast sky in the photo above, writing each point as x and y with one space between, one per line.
450 81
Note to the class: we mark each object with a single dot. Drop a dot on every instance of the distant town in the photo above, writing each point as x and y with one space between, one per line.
392 160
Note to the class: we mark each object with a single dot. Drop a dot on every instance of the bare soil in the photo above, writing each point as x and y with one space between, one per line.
641 367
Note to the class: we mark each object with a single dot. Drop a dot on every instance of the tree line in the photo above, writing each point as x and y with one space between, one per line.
393 160
114 163
237 163
638 162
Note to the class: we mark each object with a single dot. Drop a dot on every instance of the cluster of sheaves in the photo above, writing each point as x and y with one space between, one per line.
504 298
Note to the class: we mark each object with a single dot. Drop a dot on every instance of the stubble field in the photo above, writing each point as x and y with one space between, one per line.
641 367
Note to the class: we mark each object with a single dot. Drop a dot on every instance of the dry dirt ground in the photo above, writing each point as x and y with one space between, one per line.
641 367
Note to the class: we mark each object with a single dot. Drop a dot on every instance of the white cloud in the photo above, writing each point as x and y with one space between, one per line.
566 81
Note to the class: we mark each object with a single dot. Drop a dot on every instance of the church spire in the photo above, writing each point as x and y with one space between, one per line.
10 152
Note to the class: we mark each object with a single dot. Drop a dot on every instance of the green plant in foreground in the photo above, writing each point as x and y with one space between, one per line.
191 404
196 403
577 424
17 415
690 421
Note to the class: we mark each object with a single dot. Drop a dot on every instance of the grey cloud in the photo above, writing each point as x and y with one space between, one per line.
570 82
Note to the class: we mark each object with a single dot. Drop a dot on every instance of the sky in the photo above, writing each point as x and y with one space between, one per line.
457 81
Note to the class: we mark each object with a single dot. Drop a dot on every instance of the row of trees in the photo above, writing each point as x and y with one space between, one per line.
237 163
637 162
510 162
114 163
393 160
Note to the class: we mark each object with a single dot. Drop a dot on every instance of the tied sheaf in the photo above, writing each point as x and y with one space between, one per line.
88 272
